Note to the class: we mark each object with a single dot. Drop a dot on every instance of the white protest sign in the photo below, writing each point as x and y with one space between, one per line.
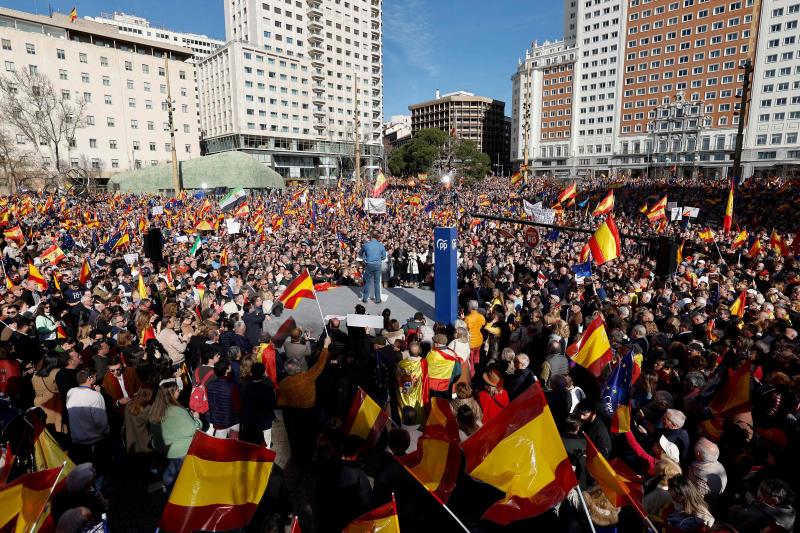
157 210
233 226
375 206
675 213
365 321
182 238
131 259
691 212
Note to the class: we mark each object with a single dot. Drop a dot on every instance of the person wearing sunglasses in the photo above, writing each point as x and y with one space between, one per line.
120 384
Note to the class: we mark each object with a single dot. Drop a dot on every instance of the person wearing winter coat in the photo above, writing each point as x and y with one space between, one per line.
773 507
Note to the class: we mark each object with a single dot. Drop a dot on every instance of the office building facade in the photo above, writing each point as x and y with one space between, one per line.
121 80
295 84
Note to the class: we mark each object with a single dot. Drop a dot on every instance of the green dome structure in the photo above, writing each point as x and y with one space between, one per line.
228 169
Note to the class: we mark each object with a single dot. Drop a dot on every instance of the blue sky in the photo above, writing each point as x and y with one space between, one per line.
451 45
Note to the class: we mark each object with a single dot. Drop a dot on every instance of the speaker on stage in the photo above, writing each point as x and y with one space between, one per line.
666 260
154 245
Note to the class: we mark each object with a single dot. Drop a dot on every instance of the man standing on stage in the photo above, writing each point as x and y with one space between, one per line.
373 253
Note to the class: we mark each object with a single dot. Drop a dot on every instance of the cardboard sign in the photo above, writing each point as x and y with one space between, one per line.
157 210
375 206
131 259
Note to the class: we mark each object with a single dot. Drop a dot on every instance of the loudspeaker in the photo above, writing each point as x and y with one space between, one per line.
154 245
666 260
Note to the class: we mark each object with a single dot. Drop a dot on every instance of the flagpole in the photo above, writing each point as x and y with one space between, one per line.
394 508
435 497
720 253
50 496
586 509
316 299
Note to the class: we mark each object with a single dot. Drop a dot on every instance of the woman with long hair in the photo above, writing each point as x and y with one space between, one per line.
175 426
46 394
691 511
137 414
46 325
468 423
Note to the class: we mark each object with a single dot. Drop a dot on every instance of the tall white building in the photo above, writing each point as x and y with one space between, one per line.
201 45
121 77
286 86
655 88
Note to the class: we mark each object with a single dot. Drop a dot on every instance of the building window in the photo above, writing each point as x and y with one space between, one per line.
60 54
6 44
82 58
110 122
115 163
92 143
30 48
107 98
112 144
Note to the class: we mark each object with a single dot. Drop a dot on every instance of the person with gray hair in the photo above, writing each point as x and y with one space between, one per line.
522 378
706 471
672 421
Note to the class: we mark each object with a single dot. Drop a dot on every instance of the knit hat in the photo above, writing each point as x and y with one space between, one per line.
80 477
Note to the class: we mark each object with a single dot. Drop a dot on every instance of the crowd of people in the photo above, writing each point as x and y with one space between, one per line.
123 358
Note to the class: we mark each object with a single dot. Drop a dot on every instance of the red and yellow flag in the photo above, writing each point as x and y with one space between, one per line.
23 501
436 461
54 255
739 305
519 452
658 211
141 288
15 234
739 240
148 333
707 235
516 178
605 206
122 241
732 396
438 367
679 254
592 350
35 276
754 250
86 272
604 245
568 194
381 520
219 486
380 185
728 218
778 244
365 419
301 287
223 257
618 482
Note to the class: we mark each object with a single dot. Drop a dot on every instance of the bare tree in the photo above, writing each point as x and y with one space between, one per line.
17 166
47 118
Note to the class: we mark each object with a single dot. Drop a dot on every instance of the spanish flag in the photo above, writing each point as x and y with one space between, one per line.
644 209
605 206
618 482
15 234
24 501
365 419
754 250
679 254
707 235
740 239
380 185
778 244
516 178
61 333
592 350
604 245
567 194
733 396
219 486
438 368
73 15
301 287
86 272
738 306
728 219
169 279
122 241
47 454
223 257
436 461
35 276
519 452
658 211
381 520
54 255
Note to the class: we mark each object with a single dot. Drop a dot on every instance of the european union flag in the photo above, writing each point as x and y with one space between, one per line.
616 394
111 242
582 271
552 235
430 207
67 242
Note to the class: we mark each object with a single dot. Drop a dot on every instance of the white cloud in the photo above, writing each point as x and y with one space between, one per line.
407 28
